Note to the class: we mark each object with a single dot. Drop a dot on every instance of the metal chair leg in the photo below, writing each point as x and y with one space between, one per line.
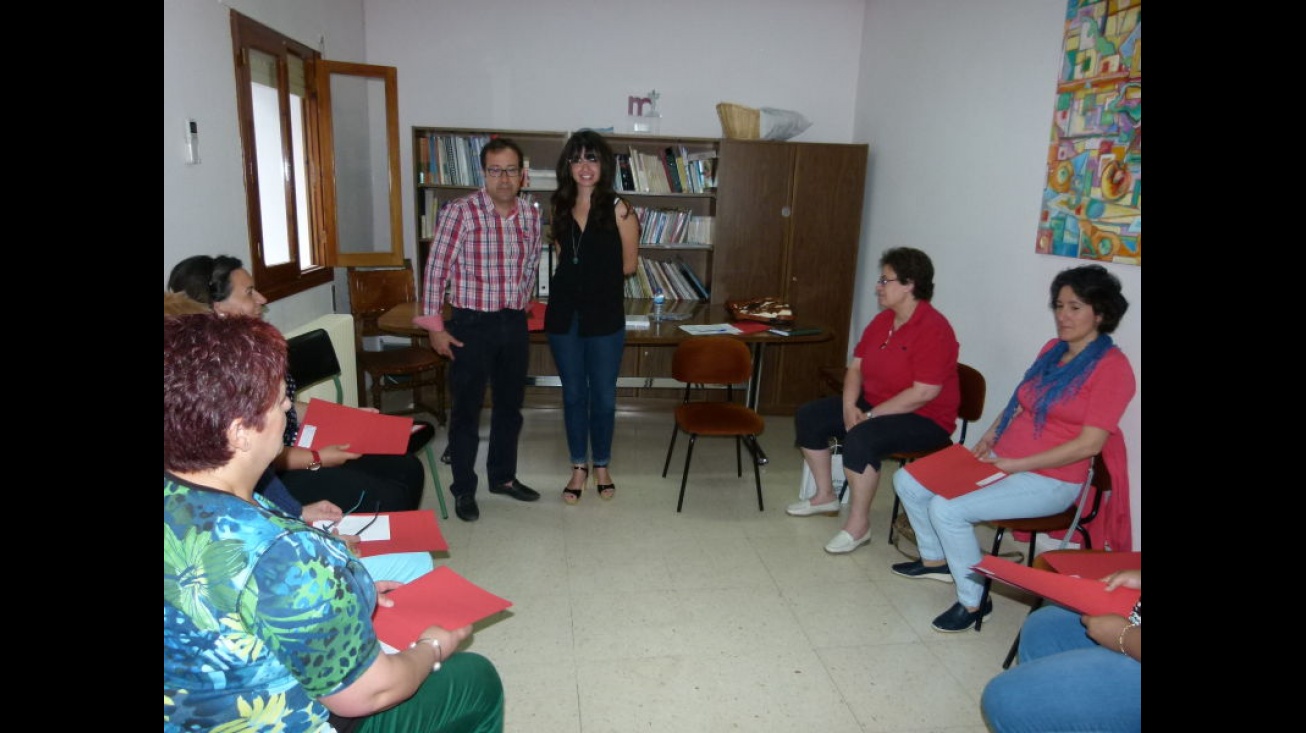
684 478
435 476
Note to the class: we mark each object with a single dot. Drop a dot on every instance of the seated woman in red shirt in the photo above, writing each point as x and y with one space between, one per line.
900 393
1065 410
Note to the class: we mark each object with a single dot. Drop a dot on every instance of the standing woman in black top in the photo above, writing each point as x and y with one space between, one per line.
596 243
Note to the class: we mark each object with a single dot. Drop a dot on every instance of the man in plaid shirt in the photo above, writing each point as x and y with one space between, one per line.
484 258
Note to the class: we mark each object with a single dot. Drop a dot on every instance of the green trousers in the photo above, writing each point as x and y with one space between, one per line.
465 696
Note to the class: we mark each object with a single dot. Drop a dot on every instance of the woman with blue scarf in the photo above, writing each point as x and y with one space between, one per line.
1065 410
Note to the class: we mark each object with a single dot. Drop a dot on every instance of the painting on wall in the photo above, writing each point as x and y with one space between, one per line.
1093 202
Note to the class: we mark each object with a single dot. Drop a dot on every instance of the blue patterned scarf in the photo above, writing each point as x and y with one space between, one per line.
1051 383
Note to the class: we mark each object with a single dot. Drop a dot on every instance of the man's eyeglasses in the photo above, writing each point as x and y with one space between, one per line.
586 158
886 280
495 171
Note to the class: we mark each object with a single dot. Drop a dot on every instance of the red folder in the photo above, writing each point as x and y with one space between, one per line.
953 471
415 531
535 315
1085 595
751 326
1093 564
327 423
441 597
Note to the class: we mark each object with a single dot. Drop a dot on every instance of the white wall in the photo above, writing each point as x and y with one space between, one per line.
954 98
955 101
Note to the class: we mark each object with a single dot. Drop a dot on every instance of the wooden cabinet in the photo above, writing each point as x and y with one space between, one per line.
789 225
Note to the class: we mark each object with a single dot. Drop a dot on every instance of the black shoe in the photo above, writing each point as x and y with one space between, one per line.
958 618
466 509
517 490
917 569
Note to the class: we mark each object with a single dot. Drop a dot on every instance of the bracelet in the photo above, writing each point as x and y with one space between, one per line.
439 653
1121 640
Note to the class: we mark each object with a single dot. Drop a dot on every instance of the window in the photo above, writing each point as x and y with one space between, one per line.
278 117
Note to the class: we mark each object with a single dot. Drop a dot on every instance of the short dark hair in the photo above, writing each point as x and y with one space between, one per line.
1097 287
205 279
216 370
911 266
502 143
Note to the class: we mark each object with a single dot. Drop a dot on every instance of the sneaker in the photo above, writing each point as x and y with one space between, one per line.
843 543
958 618
917 569
806 508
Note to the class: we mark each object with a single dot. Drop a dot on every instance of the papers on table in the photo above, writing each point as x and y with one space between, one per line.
636 321
953 471
415 531
1085 595
327 423
710 328
442 597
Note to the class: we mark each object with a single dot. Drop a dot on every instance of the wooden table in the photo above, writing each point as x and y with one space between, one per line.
399 320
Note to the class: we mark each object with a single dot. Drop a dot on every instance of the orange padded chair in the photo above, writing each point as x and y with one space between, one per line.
1070 520
715 360
372 292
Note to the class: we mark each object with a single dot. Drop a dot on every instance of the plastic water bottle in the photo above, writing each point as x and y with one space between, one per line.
659 300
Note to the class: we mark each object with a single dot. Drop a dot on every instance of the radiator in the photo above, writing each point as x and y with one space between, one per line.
341 329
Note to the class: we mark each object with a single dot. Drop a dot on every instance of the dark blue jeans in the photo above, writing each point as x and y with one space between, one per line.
868 442
495 350
588 367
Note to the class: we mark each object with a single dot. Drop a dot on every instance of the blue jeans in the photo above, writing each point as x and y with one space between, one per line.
588 367
945 528
495 350
1064 682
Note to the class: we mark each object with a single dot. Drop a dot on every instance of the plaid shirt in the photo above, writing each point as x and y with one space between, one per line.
488 262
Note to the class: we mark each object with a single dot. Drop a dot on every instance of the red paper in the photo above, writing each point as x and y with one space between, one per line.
1085 595
327 423
415 531
953 471
535 315
1095 565
442 597
751 326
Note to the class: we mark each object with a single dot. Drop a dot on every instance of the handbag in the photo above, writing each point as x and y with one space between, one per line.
769 310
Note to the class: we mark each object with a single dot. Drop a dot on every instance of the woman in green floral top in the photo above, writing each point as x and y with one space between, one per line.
267 621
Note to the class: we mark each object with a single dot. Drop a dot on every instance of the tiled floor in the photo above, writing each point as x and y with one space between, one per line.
630 617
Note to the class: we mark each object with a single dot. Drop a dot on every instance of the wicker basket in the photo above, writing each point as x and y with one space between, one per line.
739 122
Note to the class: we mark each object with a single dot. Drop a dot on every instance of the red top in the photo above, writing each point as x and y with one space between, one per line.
923 350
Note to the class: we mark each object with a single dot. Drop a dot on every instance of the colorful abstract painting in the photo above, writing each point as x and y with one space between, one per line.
1093 203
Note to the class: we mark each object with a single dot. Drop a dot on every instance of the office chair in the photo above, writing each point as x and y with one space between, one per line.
372 292
311 359
1070 520
714 360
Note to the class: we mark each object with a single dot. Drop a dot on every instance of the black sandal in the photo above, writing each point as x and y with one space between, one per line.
606 491
572 496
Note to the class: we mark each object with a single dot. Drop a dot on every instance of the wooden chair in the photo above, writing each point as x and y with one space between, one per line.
312 359
973 388
1071 520
371 293
714 360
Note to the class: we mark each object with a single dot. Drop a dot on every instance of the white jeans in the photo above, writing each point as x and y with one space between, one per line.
945 528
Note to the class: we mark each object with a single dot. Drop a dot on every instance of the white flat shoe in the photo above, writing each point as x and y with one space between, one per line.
844 543
806 508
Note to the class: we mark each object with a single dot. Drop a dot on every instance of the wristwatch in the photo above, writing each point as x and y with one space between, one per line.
316 462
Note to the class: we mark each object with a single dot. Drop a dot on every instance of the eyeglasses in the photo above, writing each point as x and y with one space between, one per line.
885 281
495 171
586 158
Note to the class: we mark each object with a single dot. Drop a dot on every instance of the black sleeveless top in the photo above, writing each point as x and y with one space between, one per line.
592 286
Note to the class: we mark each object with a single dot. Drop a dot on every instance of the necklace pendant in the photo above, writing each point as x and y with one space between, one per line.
575 260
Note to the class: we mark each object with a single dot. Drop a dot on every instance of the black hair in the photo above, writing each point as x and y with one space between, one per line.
203 278
1097 287
911 266
502 143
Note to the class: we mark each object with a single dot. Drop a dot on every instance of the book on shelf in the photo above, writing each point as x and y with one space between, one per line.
667 156
545 271
682 169
699 288
625 177
655 173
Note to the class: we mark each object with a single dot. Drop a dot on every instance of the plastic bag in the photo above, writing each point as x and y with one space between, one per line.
781 124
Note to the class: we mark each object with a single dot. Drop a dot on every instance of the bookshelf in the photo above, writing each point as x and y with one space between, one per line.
747 218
